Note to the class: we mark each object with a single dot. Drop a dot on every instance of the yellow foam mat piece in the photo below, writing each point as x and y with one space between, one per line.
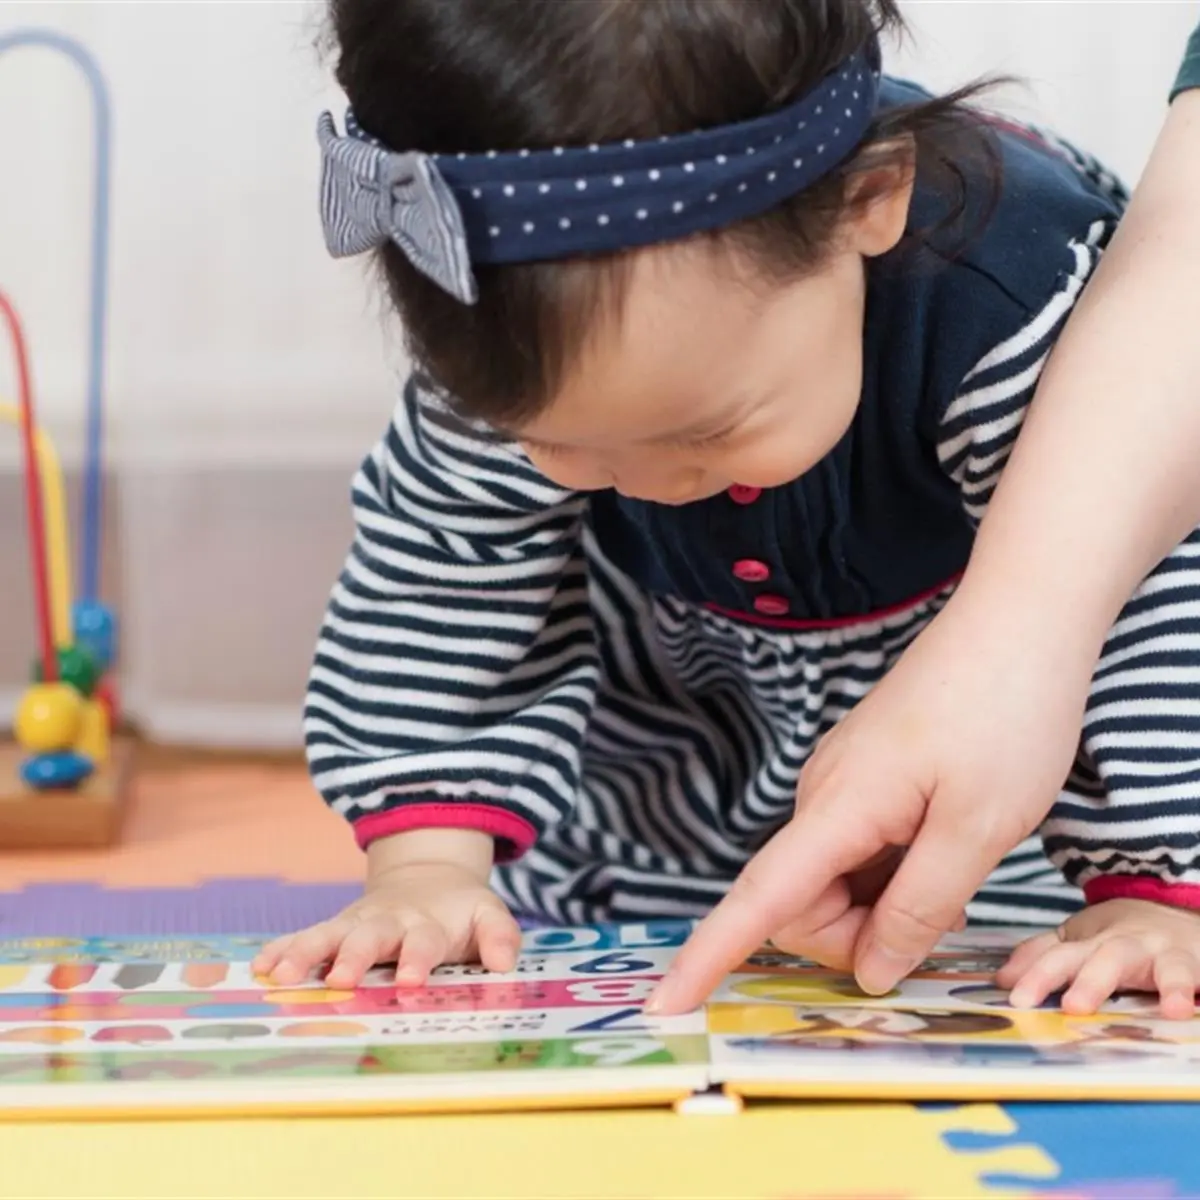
767 1152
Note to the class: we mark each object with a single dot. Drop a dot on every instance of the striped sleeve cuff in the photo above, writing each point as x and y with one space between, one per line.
1189 73
514 835
1142 887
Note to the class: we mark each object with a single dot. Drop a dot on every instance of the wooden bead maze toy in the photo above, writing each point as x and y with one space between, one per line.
64 781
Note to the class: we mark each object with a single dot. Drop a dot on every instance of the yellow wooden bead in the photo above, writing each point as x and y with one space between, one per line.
93 736
49 718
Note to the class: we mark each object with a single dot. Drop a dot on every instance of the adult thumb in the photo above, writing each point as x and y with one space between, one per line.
923 902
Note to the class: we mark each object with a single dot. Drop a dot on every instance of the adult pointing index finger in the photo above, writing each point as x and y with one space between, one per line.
780 883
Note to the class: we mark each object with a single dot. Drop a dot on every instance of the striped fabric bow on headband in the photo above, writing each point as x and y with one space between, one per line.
449 211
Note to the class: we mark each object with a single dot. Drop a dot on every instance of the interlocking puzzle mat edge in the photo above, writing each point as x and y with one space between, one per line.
776 1152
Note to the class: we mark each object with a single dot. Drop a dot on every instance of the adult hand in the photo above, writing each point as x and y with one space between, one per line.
907 805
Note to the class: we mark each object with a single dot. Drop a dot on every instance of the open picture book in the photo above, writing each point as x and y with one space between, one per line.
113 1026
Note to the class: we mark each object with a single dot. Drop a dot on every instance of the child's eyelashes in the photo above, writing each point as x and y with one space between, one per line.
546 450
709 441
552 450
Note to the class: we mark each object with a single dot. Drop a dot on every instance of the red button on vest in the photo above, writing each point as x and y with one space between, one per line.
742 493
771 606
750 570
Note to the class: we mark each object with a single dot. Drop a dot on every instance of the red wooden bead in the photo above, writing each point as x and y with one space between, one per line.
106 695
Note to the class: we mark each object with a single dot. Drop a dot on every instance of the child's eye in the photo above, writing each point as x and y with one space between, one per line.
708 442
545 451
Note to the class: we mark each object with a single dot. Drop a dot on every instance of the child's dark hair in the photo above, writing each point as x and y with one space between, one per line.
447 76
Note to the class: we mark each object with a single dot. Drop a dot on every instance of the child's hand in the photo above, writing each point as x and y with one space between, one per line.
1120 945
421 909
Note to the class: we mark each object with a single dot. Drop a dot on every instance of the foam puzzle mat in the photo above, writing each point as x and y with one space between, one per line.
782 1152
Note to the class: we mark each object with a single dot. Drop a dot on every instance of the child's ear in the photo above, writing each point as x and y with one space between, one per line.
877 199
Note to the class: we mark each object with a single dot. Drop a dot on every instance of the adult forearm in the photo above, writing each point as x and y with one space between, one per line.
1105 477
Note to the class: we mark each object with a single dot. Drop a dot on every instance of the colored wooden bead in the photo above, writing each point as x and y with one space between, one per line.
109 698
49 718
76 666
95 627
93 740
64 769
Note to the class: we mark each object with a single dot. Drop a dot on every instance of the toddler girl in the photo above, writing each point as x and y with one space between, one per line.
722 340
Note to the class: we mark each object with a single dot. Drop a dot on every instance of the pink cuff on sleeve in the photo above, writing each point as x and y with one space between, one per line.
1142 887
513 834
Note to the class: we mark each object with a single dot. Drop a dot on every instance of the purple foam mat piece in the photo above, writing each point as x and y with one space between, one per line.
249 906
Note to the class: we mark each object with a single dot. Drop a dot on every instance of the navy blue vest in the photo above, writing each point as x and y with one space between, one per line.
878 522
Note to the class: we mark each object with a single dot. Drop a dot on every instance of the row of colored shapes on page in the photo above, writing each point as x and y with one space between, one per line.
388 1028
126 1064
134 1033
312 1002
67 977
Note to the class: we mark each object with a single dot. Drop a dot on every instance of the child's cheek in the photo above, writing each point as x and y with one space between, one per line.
772 461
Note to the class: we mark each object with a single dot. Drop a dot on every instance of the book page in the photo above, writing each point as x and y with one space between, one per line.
118 1022
783 1027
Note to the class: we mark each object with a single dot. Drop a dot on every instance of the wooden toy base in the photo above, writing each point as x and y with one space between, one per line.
84 817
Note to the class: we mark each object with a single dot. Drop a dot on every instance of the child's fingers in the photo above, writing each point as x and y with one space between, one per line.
1175 976
1109 965
497 938
1024 956
424 947
309 948
362 946
1056 968
265 960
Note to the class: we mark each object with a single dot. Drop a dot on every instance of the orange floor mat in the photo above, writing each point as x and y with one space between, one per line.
188 825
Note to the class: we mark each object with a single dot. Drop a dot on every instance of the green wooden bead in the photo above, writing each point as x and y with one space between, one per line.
76 666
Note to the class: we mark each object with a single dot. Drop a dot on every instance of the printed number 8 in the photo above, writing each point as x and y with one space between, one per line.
611 991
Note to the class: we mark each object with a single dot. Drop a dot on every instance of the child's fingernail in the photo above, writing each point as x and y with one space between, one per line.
881 969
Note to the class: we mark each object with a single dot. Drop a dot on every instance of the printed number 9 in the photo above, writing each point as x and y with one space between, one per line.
617 963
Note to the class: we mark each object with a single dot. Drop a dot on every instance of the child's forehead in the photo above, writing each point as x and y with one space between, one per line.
593 418
671 359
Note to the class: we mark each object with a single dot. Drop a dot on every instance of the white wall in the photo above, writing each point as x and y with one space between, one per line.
247 372
231 331
1099 71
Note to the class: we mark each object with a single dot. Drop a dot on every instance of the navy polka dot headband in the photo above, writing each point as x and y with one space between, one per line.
449 211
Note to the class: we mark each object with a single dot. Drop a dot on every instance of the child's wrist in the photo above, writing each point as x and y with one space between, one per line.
466 849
